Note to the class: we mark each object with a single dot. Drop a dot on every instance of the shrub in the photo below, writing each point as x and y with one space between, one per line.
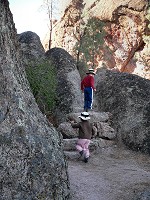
42 79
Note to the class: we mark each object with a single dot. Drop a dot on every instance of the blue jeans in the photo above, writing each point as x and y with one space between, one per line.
88 98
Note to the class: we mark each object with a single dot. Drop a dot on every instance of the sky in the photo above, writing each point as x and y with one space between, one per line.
28 15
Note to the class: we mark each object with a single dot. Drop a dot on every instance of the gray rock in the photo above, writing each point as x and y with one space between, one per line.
31 47
104 130
95 116
145 195
32 164
71 155
69 98
127 98
67 131
69 144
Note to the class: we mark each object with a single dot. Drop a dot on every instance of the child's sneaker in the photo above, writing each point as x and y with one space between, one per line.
81 152
86 160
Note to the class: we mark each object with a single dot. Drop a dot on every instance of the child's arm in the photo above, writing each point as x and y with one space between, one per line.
94 131
75 125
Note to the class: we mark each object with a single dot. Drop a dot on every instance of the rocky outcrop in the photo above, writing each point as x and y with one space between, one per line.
69 98
31 47
31 155
127 98
126 33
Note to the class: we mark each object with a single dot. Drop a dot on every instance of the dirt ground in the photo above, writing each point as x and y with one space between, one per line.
112 173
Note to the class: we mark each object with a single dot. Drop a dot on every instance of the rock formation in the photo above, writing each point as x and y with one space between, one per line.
127 98
126 41
31 47
69 98
31 155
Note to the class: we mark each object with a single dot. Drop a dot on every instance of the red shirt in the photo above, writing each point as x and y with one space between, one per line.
88 81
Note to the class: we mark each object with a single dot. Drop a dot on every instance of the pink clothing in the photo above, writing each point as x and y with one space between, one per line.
83 145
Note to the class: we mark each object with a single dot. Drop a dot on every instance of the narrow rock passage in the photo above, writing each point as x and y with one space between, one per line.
111 174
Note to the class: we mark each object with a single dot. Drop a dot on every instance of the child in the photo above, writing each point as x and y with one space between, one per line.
85 134
87 86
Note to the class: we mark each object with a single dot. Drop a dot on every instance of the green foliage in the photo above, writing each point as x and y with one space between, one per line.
42 79
92 40
82 67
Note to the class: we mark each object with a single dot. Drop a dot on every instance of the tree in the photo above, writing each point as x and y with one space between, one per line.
51 7
90 41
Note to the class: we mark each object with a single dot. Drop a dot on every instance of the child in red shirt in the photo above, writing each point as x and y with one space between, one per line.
87 86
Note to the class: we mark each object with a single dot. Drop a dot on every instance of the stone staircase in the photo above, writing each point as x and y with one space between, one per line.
104 136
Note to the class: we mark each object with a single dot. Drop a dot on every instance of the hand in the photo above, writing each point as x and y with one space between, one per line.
95 89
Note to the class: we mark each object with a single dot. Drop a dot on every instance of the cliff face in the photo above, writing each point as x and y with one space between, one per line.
125 26
32 161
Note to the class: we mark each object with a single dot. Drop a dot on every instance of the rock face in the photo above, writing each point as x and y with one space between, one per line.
31 47
127 97
31 155
127 33
69 98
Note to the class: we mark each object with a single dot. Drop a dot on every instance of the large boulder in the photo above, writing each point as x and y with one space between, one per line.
32 164
69 97
31 47
127 98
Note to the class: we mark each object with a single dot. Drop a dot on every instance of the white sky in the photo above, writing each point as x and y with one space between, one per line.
28 16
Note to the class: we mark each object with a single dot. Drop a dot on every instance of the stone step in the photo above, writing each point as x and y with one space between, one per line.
69 144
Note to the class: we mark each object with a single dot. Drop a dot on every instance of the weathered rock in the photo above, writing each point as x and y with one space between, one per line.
103 130
145 195
31 47
69 98
31 154
125 32
127 97
100 129
95 116
69 144
67 131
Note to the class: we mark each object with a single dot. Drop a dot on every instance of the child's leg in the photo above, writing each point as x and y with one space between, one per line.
85 99
81 145
90 98
86 148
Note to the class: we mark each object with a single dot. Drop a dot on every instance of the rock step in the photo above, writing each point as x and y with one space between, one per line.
101 122
70 150
69 144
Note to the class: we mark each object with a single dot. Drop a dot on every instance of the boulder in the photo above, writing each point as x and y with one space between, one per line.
95 116
103 130
145 195
69 97
67 131
31 47
32 163
127 98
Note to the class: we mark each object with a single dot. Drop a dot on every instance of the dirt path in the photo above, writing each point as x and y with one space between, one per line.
111 174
